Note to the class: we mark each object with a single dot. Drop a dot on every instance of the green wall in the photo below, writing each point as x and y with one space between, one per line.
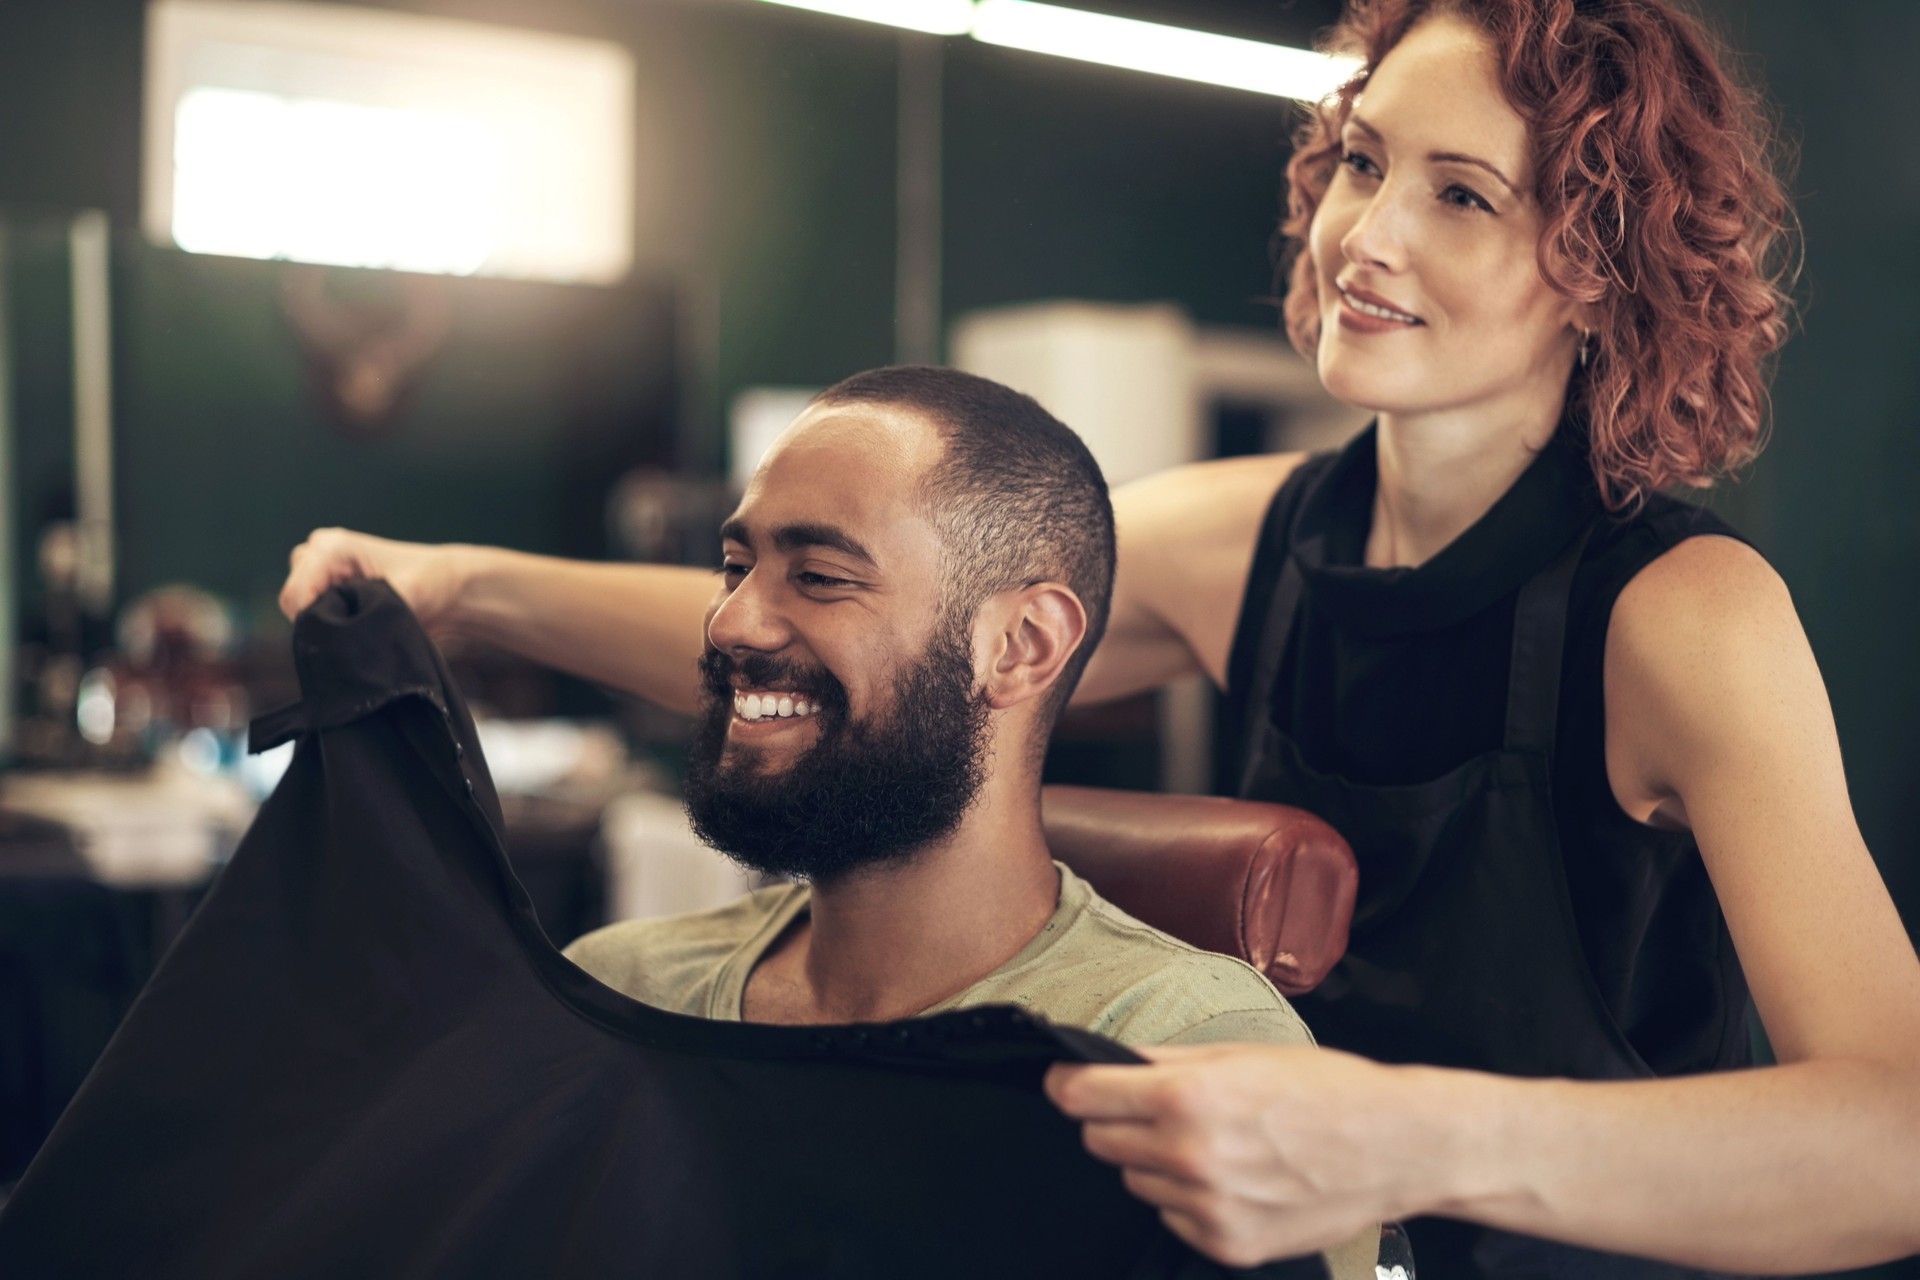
1831 500
766 209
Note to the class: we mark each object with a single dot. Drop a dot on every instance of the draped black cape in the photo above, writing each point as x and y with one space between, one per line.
364 1058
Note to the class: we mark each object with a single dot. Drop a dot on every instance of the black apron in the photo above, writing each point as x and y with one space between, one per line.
1464 950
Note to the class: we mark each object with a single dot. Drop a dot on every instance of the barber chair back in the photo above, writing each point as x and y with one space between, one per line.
1270 884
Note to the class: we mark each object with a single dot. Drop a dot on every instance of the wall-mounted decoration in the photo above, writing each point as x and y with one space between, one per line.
365 351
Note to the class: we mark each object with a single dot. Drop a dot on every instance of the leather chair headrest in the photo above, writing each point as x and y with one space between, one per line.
1268 883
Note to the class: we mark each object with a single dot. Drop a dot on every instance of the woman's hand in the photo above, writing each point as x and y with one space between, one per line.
629 626
427 577
1258 1152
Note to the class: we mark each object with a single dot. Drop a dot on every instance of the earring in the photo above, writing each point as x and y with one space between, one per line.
1586 345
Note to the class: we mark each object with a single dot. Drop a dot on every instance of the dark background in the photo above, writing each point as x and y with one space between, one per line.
766 240
766 169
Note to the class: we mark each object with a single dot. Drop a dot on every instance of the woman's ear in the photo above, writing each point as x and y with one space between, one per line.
1032 634
1586 317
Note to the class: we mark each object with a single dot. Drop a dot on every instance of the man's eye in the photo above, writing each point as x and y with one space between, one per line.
810 579
733 572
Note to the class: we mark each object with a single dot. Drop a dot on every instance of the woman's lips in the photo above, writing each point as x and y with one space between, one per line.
1362 312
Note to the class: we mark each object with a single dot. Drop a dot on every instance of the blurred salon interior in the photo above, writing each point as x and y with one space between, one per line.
551 274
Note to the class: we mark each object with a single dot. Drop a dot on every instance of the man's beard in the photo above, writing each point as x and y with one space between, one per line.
867 793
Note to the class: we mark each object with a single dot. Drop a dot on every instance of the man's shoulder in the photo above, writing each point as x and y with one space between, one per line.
674 962
1110 973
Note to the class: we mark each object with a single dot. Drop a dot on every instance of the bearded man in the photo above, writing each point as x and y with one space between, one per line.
912 583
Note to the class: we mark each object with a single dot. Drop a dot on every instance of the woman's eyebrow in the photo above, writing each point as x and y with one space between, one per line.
1454 157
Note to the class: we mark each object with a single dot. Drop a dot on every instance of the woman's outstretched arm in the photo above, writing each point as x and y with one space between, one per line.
635 627
1186 540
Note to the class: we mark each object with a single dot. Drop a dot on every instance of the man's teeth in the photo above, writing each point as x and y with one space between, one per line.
763 706
1385 313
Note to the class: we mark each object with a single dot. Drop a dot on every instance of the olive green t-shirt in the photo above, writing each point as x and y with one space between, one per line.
1092 965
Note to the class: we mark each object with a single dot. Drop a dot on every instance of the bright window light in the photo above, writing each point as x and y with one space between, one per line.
257 176
322 133
1162 50
935 17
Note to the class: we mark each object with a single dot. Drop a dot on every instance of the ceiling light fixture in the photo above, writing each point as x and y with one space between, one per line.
1162 50
935 17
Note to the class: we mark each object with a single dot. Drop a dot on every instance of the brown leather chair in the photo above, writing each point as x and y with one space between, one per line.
1268 883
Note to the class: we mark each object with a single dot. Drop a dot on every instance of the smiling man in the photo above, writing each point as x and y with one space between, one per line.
912 584
913 581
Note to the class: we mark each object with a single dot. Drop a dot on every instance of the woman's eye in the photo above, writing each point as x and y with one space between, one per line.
733 572
1359 163
1463 198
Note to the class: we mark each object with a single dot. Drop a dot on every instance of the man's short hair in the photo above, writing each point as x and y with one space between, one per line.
1017 497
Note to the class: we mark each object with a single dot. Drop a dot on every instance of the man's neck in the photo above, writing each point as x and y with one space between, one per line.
891 941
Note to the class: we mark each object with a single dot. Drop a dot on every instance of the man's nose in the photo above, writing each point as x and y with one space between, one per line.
748 619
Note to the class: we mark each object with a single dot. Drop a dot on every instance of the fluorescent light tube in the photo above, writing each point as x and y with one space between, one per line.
935 17
1162 50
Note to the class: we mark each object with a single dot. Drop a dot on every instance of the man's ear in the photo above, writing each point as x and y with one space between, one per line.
1029 636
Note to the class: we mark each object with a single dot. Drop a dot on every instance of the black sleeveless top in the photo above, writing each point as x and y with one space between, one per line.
1394 677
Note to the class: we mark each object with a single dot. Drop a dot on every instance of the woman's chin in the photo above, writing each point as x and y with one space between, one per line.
1375 390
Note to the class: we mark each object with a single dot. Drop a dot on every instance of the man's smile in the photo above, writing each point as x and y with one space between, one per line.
771 704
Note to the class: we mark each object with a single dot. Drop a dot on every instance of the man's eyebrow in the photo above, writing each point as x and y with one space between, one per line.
1455 157
796 537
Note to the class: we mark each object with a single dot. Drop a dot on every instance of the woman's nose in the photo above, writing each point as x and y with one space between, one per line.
1377 237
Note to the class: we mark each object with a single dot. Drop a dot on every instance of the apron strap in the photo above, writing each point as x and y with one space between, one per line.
1276 628
1257 711
1539 641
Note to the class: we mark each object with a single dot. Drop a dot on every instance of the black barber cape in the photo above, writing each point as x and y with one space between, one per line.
363 1058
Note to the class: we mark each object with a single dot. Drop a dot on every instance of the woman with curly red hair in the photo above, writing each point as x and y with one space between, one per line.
1570 724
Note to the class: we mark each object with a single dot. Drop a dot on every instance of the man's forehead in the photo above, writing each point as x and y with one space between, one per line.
852 468
877 438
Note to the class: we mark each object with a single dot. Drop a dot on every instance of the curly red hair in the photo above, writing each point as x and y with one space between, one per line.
1660 181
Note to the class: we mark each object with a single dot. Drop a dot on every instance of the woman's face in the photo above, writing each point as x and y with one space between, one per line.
1430 295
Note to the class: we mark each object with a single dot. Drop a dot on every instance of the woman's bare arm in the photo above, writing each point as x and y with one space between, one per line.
635 627
1186 542
1717 717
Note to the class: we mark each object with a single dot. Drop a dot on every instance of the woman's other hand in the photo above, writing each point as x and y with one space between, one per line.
1258 1152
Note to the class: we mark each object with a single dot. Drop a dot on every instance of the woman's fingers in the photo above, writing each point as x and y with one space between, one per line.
1098 1093
1145 1145
423 575
1164 1191
1250 1152
326 557
1126 1093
